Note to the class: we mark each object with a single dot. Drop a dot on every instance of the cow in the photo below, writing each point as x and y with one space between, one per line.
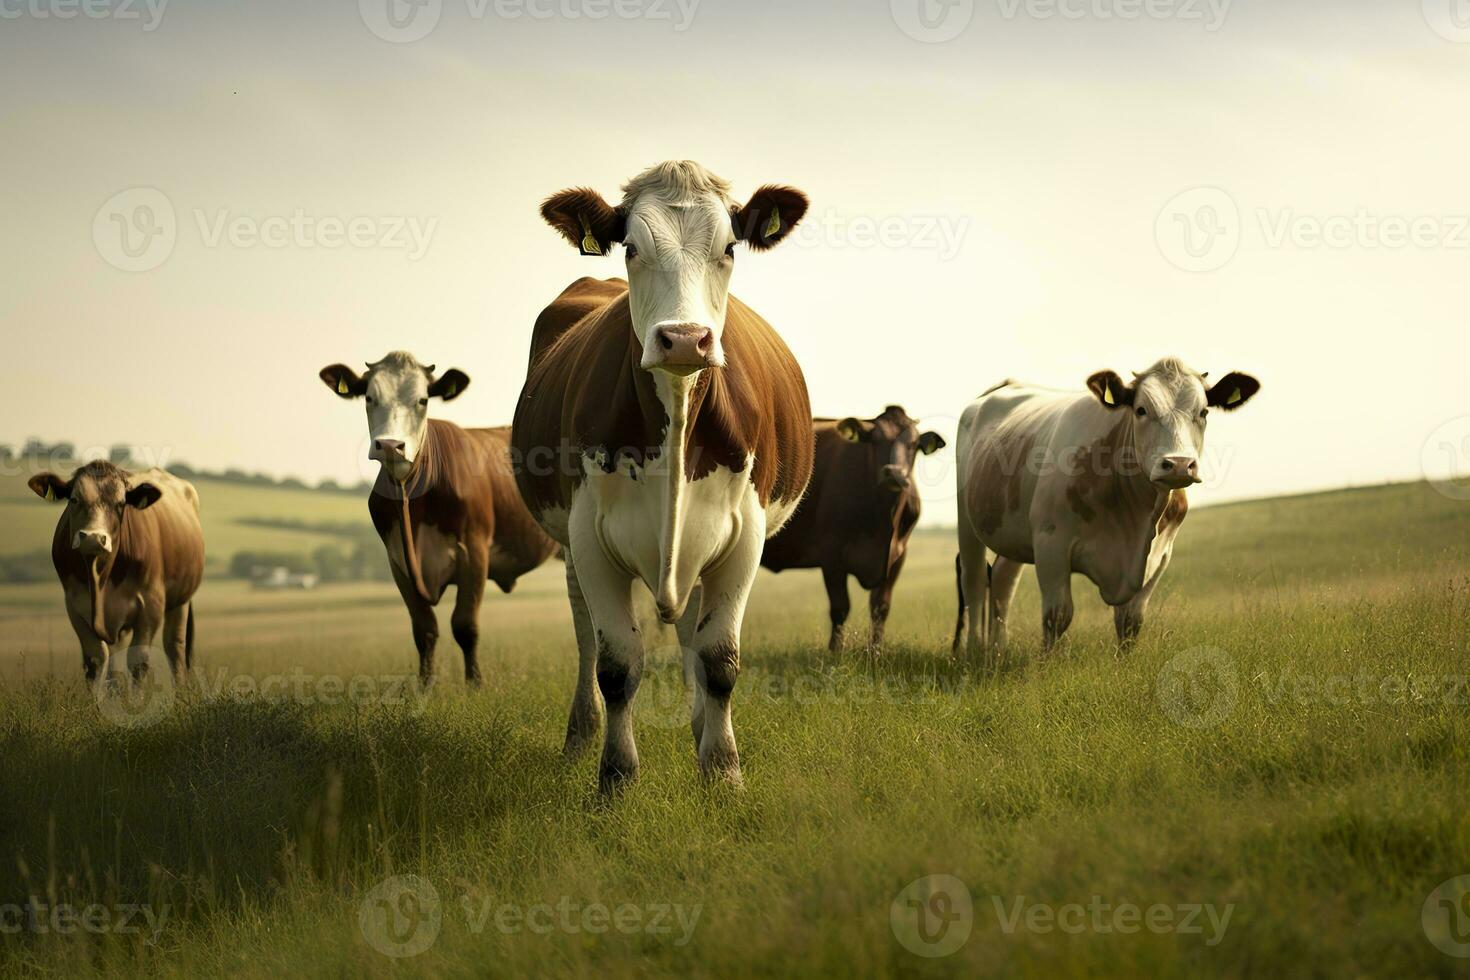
129 551
1091 483
858 512
444 504
664 432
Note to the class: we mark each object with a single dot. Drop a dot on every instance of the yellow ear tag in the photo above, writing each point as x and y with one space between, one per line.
590 244
50 493
1108 395
341 386
1234 397
773 227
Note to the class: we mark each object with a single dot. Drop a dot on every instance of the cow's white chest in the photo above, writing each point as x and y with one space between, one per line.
630 517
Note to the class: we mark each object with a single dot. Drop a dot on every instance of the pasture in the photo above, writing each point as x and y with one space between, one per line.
1280 765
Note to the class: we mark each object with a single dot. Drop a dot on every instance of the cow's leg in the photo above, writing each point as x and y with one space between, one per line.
1128 618
585 719
145 631
974 586
1005 576
464 622
175 638
880 601
94 650
717 648
687 627
425 626
836 581
1054 575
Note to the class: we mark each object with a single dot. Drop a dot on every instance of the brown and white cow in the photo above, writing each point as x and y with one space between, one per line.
1092 483
445 501
663 434
858 512
129 551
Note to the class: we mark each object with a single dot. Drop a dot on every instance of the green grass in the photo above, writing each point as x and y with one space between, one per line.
224 508
1321 812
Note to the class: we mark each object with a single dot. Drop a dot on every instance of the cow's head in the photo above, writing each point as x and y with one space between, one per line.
397 390
1170 405
679 228
97 497
894 444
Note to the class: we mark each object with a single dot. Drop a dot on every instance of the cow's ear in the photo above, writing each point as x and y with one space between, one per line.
50 487
143 496
449 385
769 216
930 443
1110 389
585 219
853 430
1233 391
343 381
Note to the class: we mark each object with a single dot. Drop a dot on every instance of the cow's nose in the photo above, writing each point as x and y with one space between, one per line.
683 346
1178 470
895 477
93 542
393 447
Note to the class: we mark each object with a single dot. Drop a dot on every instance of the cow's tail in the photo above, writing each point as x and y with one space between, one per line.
189 639
959 587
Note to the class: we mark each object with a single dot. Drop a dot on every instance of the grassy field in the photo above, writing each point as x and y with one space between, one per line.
1275 780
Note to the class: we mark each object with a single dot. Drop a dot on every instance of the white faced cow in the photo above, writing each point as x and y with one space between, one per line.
662 435
1090 482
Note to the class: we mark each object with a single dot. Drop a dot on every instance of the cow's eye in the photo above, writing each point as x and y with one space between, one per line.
423 403
1204 413
730 250
370 401
1141 412
630 250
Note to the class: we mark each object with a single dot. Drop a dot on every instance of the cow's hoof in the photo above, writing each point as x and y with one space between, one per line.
612 779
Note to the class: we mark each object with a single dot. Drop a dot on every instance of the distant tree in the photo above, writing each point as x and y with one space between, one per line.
291 483
63 450
34 447
330 486
120 454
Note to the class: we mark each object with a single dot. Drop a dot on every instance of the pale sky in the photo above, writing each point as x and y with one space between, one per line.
995 205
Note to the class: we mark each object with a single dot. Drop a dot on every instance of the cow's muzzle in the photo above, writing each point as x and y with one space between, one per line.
1176 472
894 478
680 348
93 544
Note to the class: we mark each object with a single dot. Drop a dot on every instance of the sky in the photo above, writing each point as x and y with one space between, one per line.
204 203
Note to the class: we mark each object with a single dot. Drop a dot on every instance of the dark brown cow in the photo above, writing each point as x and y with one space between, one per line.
445 501
663 434
858 512
130 554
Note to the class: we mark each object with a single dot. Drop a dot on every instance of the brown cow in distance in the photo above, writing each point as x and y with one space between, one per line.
129 551
445 501
663 434
858 512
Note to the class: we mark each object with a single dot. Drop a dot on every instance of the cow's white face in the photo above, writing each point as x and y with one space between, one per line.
396 393
680 229
679 257
1170 407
